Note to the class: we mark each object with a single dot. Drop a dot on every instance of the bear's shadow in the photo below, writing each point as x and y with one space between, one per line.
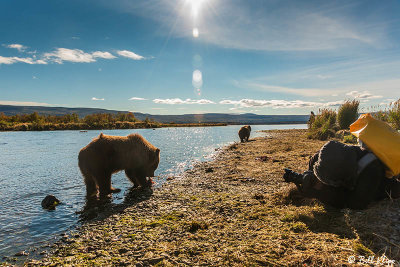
102 208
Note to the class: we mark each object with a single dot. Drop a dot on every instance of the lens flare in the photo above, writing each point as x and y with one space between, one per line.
197 79
195 32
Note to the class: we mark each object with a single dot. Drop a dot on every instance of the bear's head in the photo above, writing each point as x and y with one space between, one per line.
153 164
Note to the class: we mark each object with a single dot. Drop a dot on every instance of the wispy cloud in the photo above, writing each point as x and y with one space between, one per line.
75 55
97 99
21 103
275 104
178 101
61 55
365 90
100 54
137 98
387 102
365 95
27 60
129 54
294 91
19 47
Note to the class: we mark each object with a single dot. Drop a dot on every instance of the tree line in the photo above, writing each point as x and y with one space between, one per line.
35 121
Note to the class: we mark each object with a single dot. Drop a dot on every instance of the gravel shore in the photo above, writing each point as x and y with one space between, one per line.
233 211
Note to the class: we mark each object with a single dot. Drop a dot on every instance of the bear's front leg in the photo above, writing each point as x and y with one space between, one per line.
132 177
143 181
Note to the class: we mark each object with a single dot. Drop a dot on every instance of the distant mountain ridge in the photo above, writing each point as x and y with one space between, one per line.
247 118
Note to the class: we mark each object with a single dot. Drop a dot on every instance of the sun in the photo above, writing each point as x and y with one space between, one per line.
196 6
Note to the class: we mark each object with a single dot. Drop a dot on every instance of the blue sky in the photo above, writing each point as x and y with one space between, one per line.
188 56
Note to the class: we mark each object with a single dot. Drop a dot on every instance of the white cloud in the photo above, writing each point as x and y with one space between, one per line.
97 99
21 103
7 60
129 54
250 103
387 102
365 95
27 60
61 55
177 101
106 55
19 47
40 61
34 77
137 98
71 55
76 55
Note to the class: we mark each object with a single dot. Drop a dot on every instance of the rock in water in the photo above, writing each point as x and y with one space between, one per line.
50 202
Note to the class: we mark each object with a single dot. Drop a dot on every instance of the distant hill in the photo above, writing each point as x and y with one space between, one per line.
247 118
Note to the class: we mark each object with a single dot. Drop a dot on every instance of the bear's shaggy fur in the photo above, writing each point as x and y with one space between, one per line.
244 133
106 155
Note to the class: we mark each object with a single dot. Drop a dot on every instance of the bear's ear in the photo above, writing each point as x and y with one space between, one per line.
157 151
101 135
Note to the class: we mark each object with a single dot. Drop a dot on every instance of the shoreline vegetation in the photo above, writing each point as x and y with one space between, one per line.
233 211
98 121
329 123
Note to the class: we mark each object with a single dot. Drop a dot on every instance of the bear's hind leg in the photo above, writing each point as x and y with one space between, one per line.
91 187
104 182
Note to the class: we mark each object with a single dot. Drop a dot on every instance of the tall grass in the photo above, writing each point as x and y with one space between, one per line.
324 125
347 113
394 114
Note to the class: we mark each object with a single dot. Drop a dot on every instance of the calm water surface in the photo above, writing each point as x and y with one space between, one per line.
35 164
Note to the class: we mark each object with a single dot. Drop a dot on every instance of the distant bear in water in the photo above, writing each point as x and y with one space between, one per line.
106 155
244 133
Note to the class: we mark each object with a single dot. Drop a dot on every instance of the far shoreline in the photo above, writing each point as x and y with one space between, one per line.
24 127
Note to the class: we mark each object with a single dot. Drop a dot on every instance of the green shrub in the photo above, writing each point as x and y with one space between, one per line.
324 125
347 113
350 139
394 115
311 120
380 115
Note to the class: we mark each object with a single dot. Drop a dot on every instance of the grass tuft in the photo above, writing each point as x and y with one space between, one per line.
347 113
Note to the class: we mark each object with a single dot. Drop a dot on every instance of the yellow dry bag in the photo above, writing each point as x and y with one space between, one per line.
381 139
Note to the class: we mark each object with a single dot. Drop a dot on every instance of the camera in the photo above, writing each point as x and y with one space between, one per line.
292 177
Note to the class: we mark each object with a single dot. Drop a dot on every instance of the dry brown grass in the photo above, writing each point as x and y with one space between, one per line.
239 214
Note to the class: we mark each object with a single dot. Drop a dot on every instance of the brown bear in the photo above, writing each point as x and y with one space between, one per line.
244 133
107 154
